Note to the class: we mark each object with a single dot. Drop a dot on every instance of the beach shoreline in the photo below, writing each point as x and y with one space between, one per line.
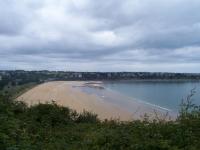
74 94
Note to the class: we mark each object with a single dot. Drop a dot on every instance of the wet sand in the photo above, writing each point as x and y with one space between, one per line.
72 94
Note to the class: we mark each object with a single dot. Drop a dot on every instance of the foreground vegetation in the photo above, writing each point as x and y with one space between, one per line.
52 127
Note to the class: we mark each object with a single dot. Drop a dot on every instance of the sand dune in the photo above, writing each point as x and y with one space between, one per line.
65 93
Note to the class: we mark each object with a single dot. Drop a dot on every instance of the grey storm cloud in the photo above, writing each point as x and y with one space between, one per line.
101 35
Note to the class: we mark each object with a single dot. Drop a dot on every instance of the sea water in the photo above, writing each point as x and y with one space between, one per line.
165 94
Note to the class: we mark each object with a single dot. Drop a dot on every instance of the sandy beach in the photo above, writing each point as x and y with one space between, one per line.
65 93
108 105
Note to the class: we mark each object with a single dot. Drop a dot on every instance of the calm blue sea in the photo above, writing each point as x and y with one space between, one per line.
167 94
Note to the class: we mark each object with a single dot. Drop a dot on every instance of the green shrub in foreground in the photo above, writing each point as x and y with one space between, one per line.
53 127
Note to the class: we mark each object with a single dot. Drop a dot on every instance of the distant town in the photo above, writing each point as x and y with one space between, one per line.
18 77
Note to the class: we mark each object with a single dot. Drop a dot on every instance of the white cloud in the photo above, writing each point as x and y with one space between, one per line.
95 35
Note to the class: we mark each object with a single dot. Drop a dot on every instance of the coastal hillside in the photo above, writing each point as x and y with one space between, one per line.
53 127
99 75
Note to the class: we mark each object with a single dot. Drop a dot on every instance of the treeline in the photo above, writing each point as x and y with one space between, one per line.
53 127
19 77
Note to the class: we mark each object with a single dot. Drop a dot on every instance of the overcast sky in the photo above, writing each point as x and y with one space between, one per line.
100 35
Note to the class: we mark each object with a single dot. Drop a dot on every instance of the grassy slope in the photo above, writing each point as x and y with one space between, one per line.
16 91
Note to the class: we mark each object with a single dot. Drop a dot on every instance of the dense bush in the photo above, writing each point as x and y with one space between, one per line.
87 117
52 127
